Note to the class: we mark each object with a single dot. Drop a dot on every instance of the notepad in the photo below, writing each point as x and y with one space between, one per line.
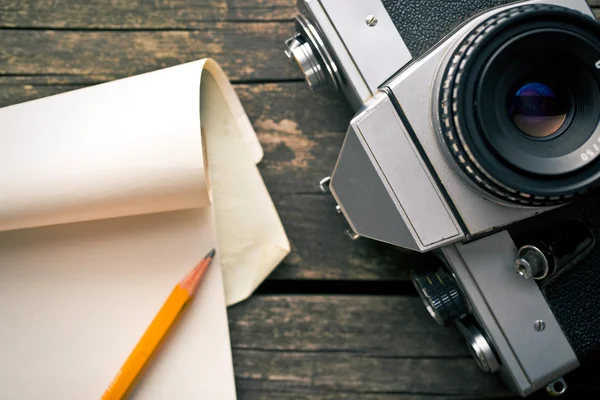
108 195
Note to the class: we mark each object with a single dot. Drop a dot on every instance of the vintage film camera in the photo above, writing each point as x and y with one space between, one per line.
477 137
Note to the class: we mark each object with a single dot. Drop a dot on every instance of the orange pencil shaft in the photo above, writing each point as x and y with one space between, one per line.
162 322
147 344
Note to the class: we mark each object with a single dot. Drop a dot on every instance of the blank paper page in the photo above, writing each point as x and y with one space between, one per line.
76 298
105 207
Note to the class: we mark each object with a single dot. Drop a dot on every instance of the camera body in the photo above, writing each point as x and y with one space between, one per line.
432 162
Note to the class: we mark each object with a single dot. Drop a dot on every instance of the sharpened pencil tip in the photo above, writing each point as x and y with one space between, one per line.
211 254
192 279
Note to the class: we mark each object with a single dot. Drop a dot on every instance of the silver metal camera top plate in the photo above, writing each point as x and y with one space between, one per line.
404 207
353 85
509 308
376 47
367 53
421 202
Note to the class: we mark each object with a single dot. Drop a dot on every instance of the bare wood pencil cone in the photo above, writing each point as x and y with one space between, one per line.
125 379
193 278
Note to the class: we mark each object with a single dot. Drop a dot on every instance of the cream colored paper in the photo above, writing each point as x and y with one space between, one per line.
76 298
126 147
105 203
250 234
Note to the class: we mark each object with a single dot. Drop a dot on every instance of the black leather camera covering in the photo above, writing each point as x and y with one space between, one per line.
423 23
573 292
574 296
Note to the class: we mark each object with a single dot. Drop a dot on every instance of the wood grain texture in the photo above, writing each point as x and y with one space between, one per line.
360 374
339 346
348 347
138 14
267 394
246 51
383 326
146 15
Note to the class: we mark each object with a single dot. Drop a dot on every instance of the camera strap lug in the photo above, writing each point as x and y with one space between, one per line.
557 387
324 186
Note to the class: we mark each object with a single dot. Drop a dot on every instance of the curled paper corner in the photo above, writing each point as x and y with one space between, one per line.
250 235
234 104
253 273
121 228
136 143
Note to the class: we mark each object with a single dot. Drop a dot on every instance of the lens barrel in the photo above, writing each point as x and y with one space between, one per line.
520 105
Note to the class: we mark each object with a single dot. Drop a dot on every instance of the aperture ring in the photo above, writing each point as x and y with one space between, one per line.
452 131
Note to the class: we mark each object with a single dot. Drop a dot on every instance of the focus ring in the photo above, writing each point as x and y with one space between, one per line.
451 129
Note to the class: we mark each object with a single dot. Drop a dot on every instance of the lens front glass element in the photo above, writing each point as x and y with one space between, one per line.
537 110
520 105
538 102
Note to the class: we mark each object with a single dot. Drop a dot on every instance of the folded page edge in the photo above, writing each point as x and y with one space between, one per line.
232 299
235 105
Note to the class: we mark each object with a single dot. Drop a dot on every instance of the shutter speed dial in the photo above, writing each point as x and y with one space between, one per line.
440 294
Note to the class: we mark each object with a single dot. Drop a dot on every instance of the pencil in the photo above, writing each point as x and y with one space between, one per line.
181 294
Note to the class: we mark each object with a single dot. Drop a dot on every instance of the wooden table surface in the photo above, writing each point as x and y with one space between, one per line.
337 319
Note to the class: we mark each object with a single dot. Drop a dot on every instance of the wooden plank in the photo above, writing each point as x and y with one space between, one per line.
321 250
350 345
361 374
247 51
346 347
302 129
382 326
301 132
138 14
249 394
252 51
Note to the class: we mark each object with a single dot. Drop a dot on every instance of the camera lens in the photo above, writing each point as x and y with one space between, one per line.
520 105
537 110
